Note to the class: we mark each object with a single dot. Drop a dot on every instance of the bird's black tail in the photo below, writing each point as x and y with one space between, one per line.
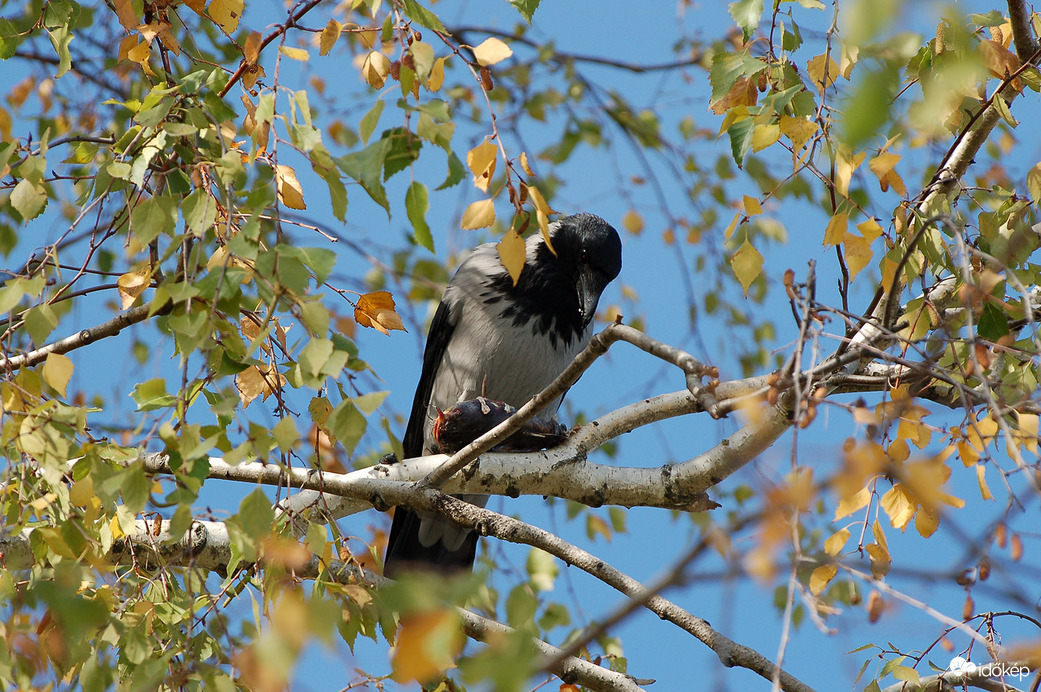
405 553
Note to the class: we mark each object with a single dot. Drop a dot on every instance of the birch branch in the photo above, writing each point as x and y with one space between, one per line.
77 340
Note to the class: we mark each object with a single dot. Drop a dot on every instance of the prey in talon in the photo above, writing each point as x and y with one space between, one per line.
463 423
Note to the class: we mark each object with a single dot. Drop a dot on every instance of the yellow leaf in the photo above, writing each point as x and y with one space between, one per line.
125 13
856 502
125 46
513 253
542 210
850 54
821 577
899 450
835 233
426 645
258 380
437 75
845 165
330 34
376 310
899 505
764 135
633 222
117 530
981 478
752 206
525 166
823 71
858 254
926 521
884 168
133 284
491 51
374 69
747 264
289 191
481 161
1027 430
226 13
880 560
733 225
295 53
140 54
836 542
251 48
57 371
479 214
799 130
538 201
870 230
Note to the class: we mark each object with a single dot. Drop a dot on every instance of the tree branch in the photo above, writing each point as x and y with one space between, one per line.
81 338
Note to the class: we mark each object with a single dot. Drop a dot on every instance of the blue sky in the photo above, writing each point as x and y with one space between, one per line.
737 606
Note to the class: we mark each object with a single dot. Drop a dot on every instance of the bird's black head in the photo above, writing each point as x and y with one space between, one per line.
559 289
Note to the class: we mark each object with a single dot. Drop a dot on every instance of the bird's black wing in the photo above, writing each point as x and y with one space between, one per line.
404 551
440 334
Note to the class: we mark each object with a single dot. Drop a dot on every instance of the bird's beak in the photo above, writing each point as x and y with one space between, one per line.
591 284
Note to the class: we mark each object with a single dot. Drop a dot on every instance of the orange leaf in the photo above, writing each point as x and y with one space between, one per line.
290 193
376 310
426 645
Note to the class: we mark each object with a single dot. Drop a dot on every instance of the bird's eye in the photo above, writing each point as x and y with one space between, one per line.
583 256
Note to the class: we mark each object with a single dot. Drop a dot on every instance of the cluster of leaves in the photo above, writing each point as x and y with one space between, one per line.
181 209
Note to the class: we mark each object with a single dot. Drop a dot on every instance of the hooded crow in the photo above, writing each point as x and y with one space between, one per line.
505 342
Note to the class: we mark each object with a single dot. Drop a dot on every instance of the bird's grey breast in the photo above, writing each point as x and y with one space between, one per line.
495 356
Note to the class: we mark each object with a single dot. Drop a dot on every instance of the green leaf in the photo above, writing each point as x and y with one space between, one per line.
542 569
366 167
993 323
347 425
9 38
40 321
747 13
200 211
367 403
741 134
285 433
423 16
403 151
1034 183
256 514
61 37
526 8
727 68
456 172
29 199
314 355
370 120
864 117
151 395
416 206
152 217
